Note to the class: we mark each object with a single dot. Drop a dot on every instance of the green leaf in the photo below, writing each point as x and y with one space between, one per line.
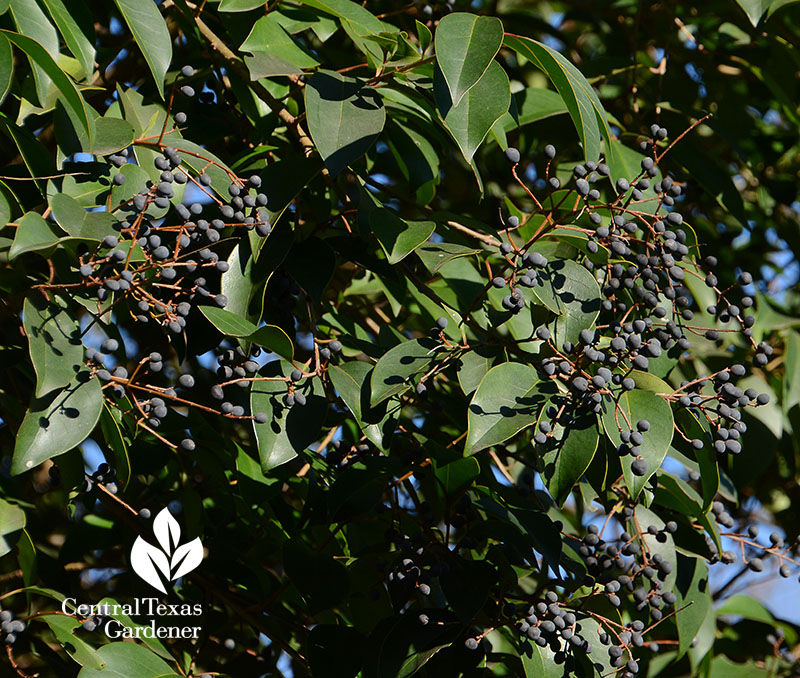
693 589
360 19
465 46
396 367
81 46
436 254
30 20
641 403
470 121
474 365
228 323
63 628
6 67
270 337
78 222
36 157
127 660
398 237
240 5
572 293
754 9
568 456
72 98
424 35
352 382
531 105
457 474
150 32
791 379
111 135
583 104
507 401
33 234
345 116
12 522
57 423
288 431
274 339
666 549
274 51
53 341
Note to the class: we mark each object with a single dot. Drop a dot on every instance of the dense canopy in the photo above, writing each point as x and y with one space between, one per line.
390 339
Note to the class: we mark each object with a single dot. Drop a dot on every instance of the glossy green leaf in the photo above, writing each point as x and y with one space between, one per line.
507 401
270 337
345 117
530 105
582 102
474 365
228 323
568 456
12 522
470 121
436 254
666 549
81 45
128 660
572 293
111 135
274 50
694 593
150 32
631 407
398 237
33 234
31 21
458 474
6 67
465 46
288 431
63 628
53 342
57 423
273 338
240 5
359 18
791 380
424 35
78 222
399 365
352 382
70 95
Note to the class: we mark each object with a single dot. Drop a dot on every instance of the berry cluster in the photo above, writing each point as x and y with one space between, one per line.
10 627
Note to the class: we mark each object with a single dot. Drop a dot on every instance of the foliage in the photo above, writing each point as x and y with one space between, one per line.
463 336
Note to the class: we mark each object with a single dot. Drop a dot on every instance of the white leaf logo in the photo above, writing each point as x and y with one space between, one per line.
172 561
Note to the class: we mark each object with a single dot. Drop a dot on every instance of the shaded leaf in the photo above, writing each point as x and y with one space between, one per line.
507 401
470 121
150 32
53 342
288 431
345 116
398 237
57 423
465 46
